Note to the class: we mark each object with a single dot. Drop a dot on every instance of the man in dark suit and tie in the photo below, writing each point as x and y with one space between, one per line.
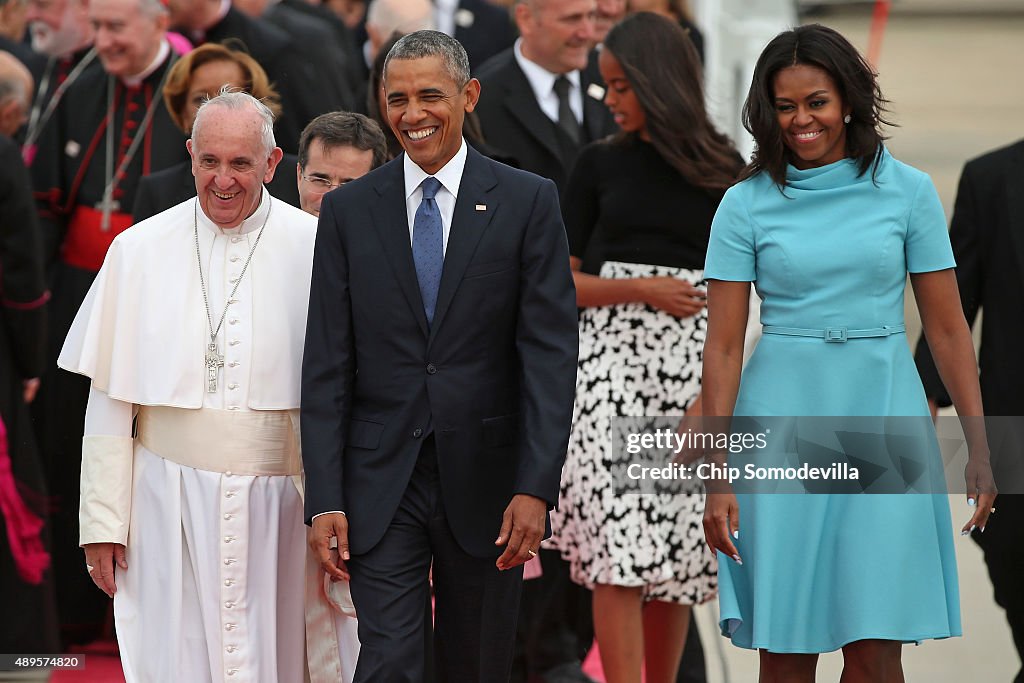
482 28
438 380
544 95
987 232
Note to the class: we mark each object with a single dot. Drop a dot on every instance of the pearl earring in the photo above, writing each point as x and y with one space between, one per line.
846 119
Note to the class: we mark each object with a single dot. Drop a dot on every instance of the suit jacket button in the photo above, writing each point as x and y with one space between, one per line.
431 369
417 433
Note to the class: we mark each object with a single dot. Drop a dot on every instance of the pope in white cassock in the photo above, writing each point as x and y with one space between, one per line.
195 327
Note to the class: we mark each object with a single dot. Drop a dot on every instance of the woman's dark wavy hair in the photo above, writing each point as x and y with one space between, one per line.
822 47
663 69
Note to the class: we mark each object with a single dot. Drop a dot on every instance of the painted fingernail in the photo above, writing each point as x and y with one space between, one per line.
970 501
737 558
736 534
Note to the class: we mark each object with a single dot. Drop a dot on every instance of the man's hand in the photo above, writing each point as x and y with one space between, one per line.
99 562
30 387
522 529
325 527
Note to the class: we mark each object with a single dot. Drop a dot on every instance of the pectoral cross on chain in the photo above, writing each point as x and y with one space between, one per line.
108 206
214 362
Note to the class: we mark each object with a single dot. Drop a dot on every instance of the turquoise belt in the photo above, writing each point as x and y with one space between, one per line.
835 334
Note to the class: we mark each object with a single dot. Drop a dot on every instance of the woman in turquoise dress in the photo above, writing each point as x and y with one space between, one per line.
827 225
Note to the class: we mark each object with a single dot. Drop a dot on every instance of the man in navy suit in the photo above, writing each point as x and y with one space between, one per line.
438 380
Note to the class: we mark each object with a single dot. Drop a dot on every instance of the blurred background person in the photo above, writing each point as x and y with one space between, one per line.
12 33
483 28
26 577
195 78
986 231
609 13
676 10
335 148
293 65
61 32
386 21
638 210
320 35
543 96
112 129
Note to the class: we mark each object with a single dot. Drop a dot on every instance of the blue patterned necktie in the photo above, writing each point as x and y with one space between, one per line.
428 246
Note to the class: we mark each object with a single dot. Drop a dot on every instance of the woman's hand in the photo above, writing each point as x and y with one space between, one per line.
722 523
981 490
672 295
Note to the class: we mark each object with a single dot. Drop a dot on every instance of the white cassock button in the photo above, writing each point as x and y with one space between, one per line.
232 301
233 364
231 648
233 321
233 385
229 582
229 627
230 494
227 474
229 539
232 672
229 516
235 259
234 279
236 239
234 342
229 561
232 407
229 604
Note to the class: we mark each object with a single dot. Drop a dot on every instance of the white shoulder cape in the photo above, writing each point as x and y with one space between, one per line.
141 331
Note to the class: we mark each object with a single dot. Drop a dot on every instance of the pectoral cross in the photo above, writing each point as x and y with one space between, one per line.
107 206
214 361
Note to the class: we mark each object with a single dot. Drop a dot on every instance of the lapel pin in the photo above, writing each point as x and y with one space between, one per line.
481 207
595 91
72 149
464 18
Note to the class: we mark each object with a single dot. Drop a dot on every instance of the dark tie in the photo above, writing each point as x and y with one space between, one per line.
428 245
566 119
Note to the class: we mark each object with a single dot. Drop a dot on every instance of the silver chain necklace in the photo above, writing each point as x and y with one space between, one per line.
215 359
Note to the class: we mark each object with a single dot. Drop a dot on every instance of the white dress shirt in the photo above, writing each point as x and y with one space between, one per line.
444 15
450 177
543 83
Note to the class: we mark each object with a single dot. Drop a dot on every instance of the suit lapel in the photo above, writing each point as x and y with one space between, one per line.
392 224
522 103
468 225
1015 199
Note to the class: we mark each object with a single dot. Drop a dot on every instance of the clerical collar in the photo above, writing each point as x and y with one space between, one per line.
541 80
161 55
198 35
250 224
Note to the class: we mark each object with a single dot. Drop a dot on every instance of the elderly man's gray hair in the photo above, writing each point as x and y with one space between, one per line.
432 44
237 101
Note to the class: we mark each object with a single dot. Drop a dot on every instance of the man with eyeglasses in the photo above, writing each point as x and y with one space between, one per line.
335 148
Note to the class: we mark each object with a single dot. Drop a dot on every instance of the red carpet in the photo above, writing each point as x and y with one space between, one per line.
106 668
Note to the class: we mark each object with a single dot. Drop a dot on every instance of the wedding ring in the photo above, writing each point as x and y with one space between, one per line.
532 553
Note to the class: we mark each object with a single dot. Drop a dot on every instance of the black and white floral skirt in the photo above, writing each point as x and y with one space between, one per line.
634 361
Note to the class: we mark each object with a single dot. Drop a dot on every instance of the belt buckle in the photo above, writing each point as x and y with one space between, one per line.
835 335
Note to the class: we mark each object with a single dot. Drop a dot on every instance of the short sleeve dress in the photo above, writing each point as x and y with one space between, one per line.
630 214
820 571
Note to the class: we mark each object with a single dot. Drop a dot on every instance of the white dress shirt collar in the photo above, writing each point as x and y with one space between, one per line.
542 82
450 174
450 177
